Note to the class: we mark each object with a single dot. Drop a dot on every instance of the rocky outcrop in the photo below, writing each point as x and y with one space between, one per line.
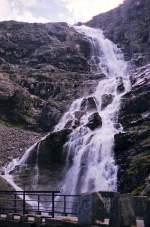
133 145
43 68
55 44
120 85
106 100
131 33
49 151
94 121
45 165
88 104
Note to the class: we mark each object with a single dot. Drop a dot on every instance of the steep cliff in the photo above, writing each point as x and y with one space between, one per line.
43 67
132 149
129 27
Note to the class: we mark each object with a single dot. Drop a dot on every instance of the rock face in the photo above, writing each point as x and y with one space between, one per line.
43 68
88 104
120 85
106 100
131 23
133 146
50 150
45 165
94 121
132 35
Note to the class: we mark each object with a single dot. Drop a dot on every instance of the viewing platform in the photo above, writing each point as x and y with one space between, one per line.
51 208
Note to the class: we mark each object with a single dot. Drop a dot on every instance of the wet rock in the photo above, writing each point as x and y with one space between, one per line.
69 124
99 76
76 124
88 104
106 100
94 121
138 59
50 150
120 85
79 114
132 146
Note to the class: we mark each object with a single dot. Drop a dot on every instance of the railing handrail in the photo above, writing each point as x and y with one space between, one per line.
52 206
29 191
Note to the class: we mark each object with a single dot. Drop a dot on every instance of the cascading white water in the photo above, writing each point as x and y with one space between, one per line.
90 160
93 167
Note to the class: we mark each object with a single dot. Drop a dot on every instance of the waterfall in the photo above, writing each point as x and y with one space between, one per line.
90 160
93 166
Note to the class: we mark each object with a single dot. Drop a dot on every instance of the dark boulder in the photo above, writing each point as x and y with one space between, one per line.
106 100
94 121
72 124
50 150
76 124
88 104
120 85
50 116
78 114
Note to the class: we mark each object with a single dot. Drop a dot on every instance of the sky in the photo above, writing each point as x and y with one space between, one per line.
44 11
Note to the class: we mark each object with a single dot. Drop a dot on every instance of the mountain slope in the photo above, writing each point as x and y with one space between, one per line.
129 26
43 67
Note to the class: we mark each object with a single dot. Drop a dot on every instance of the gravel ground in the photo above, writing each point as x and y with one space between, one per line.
14 142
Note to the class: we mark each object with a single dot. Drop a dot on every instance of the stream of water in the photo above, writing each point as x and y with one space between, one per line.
90 160
91 151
